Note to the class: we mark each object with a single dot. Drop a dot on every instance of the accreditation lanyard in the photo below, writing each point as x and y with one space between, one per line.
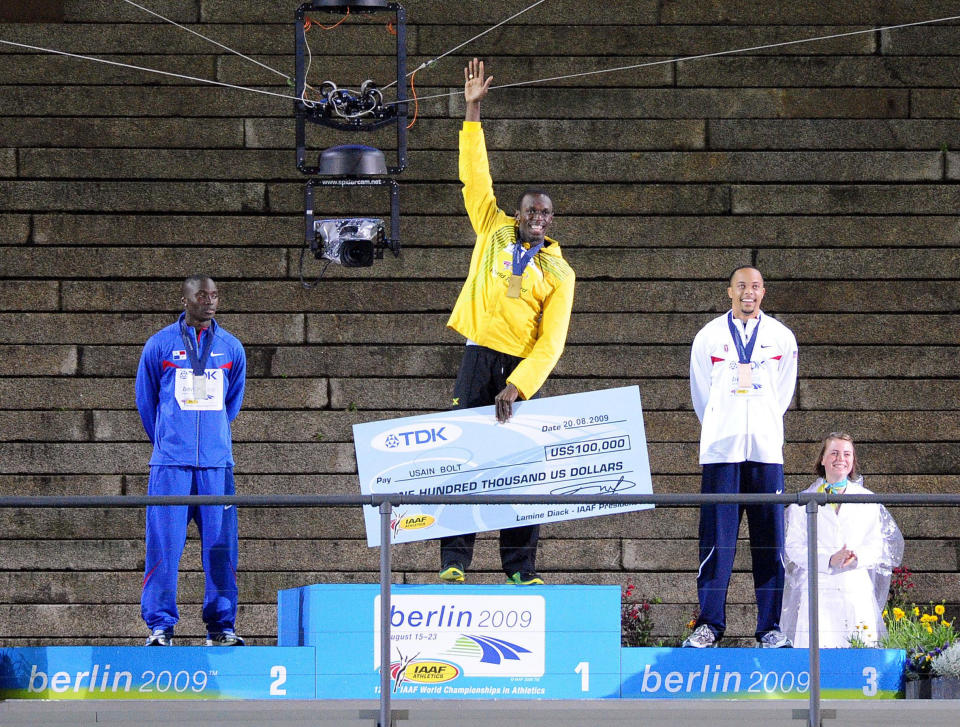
744 372
521 258
198 358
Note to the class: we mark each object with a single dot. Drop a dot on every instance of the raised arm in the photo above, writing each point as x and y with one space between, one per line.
478 198
474 89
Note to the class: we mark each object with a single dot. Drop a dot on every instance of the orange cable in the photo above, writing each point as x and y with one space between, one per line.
310 22
416 104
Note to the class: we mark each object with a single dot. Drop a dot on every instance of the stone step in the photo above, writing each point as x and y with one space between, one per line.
136 30
431 361
933 458
416 263
829 394
336 426
645 103
558 167
126 133
452 230
351 293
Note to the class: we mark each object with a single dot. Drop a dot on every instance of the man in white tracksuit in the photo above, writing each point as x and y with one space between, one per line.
743 371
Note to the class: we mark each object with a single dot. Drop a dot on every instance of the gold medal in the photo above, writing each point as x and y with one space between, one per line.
513 289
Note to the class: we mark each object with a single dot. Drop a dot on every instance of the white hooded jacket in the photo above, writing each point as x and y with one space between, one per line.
851 600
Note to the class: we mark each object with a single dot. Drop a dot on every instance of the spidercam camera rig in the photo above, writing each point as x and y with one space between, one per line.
352 242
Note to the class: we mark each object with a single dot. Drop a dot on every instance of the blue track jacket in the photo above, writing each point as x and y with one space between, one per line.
181 437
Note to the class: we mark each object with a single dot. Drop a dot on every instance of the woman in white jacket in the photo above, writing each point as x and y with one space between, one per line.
858 545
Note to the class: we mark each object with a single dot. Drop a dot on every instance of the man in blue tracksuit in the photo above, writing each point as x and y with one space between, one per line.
189 388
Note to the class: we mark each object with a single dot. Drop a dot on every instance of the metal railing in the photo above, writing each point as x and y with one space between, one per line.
811 501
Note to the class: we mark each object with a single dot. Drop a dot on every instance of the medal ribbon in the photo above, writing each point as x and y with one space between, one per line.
835 489
522 258
743 352
198 360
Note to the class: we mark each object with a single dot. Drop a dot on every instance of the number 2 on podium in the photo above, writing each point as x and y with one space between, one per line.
583 669
279 675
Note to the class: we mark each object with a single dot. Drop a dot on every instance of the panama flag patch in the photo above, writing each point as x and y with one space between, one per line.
179 355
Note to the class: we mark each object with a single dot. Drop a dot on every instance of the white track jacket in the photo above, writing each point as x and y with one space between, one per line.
738 423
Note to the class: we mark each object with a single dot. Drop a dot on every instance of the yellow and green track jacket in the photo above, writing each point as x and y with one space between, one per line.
533 326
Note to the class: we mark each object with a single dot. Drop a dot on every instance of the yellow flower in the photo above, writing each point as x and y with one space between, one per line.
916 611
939 609
929 628
885 613
898 613
928 618
946 623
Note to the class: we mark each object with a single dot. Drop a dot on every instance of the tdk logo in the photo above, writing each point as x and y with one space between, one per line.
420 436
410 439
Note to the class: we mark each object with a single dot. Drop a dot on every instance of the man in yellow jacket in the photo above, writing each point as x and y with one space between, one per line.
513 309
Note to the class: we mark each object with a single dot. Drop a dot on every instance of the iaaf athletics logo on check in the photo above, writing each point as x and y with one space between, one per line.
412 438
403 521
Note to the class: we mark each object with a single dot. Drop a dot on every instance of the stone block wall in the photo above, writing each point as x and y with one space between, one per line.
832 166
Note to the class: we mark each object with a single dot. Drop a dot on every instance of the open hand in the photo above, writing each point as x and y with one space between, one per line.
474 86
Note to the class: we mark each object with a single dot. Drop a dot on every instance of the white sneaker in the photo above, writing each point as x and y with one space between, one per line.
227 637
701 638
160 637
774 639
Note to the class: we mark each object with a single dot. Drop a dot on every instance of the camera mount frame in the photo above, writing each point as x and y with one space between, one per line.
345 109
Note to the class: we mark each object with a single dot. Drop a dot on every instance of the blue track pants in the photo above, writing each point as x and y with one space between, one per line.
167 534
719 526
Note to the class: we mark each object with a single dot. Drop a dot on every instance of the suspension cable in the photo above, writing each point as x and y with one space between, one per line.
148 70
693 57
505 85
429 63
211 40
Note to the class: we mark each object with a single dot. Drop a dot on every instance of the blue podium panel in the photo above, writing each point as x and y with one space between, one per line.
460 642
140 672
760 673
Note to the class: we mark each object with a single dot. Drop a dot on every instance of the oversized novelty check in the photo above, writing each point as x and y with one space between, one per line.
589 444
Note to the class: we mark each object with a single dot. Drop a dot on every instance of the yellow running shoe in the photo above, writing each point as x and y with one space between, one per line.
452 574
